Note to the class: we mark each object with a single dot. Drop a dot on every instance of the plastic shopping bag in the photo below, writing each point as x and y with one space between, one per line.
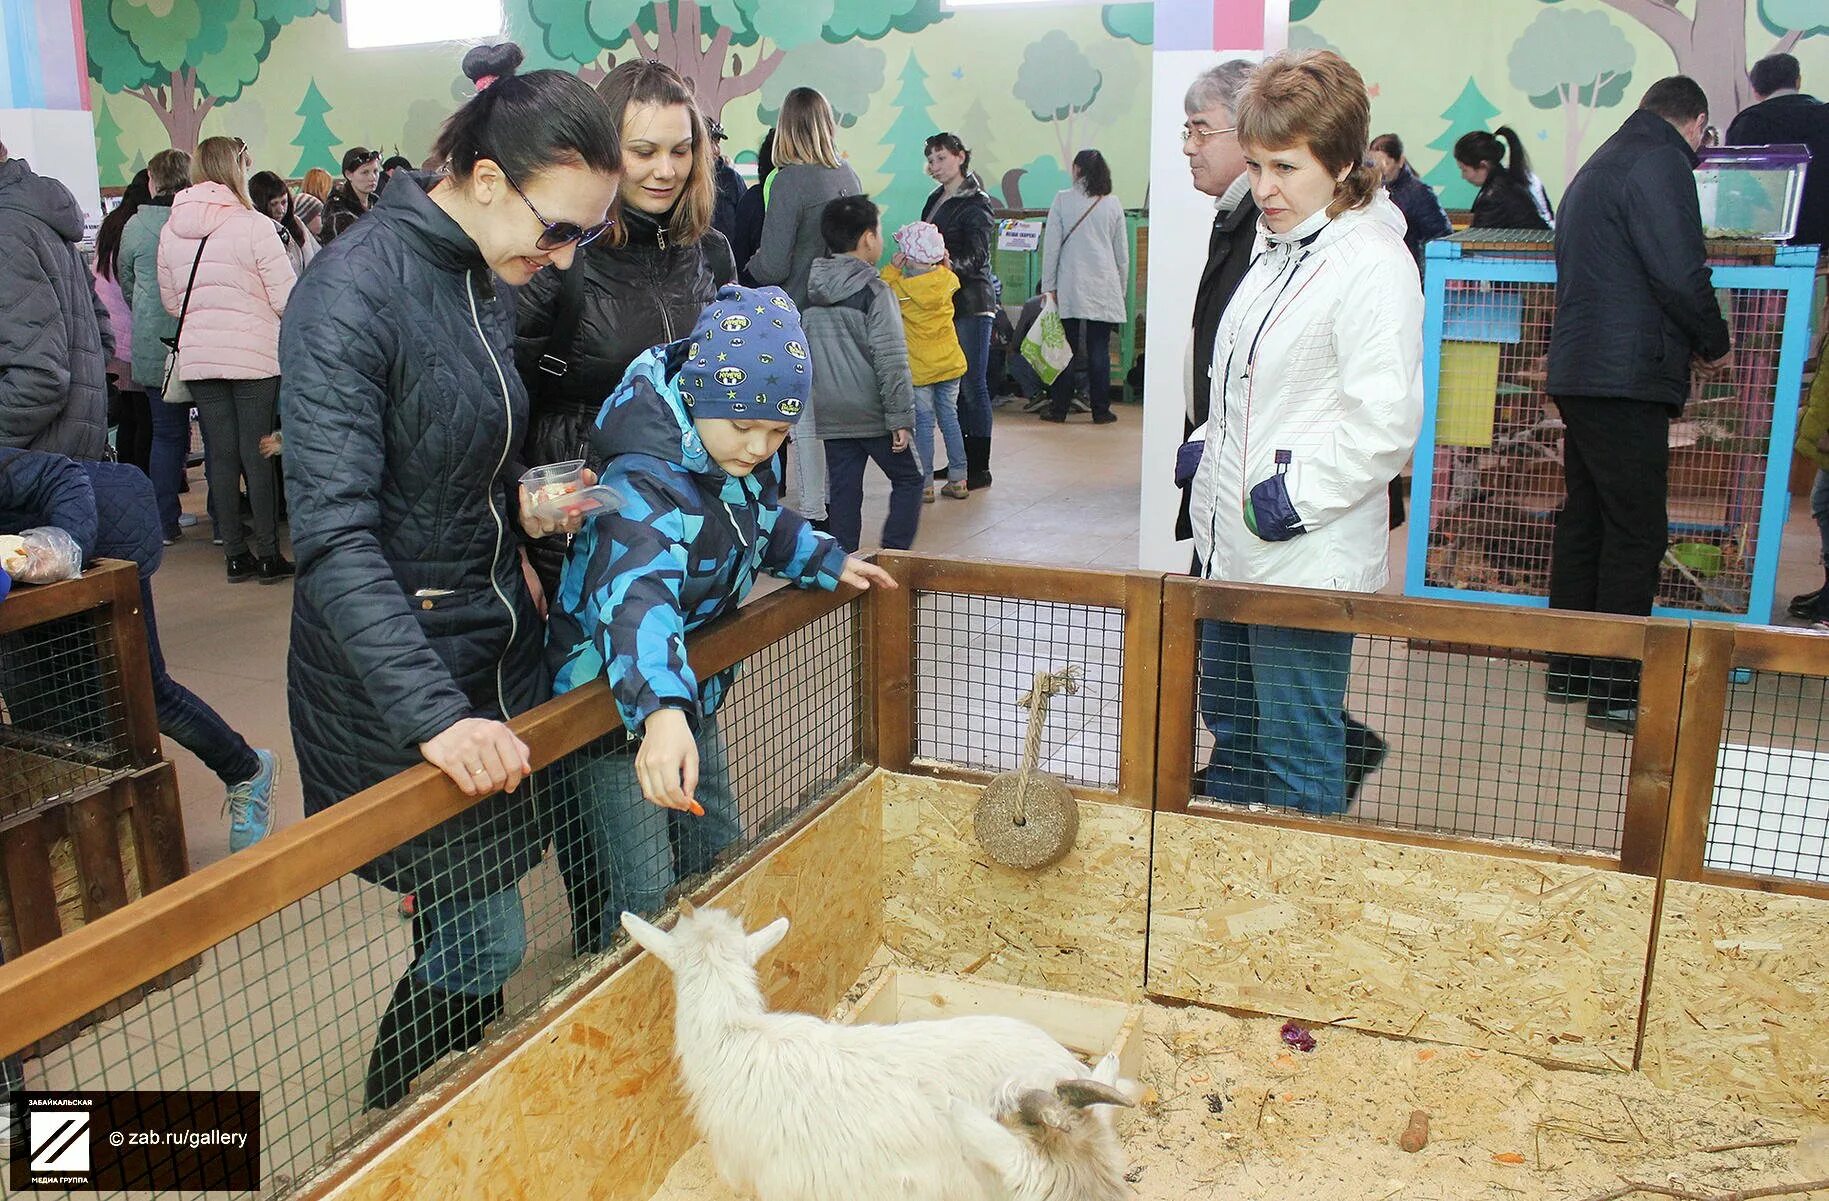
1045 345
42 555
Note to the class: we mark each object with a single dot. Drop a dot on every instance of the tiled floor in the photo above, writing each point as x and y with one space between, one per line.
291 1005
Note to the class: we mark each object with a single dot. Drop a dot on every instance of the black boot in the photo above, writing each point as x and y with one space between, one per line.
421 1026
977 461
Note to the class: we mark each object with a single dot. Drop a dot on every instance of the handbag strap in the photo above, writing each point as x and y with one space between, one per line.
568 314
188 286
1081 221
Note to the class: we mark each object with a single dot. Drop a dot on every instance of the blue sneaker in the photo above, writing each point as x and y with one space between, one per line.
249 804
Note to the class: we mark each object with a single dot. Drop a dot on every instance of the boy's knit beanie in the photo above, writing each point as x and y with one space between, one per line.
747 358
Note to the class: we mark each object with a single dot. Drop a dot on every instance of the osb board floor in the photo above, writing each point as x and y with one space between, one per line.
1740 998
1477 950
1075 927
1231 1113
591 1106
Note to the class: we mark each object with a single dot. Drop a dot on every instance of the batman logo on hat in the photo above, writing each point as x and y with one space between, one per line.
780 302
797 350
688 398
734 323
730 376
789 407
765 358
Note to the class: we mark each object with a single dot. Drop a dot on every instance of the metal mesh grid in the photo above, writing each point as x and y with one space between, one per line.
1770 812
975 657
1470 743
1497 468
63 731
293 1006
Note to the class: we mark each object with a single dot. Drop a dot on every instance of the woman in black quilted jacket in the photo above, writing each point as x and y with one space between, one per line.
641 285
415 636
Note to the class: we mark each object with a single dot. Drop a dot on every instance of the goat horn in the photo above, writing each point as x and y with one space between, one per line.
1039 1107
1082 1093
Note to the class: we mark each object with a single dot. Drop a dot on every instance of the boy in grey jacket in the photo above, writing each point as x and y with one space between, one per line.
862 390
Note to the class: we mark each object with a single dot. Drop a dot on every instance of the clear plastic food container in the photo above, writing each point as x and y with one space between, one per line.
1751 192
557 491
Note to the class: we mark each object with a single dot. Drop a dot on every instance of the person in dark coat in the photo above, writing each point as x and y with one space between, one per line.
415 636
354 194
1421 207
55 340
1635 308
752 212
962 210
1783 115
643 284
1508 197
730 185
109 511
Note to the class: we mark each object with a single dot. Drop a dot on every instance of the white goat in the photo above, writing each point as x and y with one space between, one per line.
1054 1144
793 1108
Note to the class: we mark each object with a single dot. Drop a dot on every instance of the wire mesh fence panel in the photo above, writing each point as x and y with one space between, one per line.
976 657
1770 811
1411 735
337 1004
63 729
1497 455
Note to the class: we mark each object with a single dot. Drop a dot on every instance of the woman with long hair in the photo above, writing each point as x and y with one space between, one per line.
354 194
168 172
224 274
133 433
809 174
1317 401
414 634
272 197
1086 271
1511 196
962 211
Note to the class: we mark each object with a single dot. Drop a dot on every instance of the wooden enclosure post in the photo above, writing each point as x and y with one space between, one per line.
890 670
1177 678
1654 748
133 672
1140 690
1710 663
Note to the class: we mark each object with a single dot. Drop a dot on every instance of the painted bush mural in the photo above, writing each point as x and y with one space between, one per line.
1026 87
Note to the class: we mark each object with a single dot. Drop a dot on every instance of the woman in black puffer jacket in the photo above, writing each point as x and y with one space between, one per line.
642 285
414 635
963 213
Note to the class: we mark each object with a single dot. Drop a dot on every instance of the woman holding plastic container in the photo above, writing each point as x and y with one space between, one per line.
1317 403
415 636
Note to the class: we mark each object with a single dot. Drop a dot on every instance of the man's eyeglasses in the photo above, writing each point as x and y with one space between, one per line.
559 234
1190 133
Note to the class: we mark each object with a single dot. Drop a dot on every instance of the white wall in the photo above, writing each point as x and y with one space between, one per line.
61 144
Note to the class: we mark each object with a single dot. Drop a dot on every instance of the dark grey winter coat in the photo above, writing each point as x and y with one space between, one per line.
54 336
861 384
404 417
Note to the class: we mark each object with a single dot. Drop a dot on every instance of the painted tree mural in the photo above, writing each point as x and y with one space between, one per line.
1470 111
110 159
1134 21
849 74
1710 40
976 131
1058 82
1576 61
727 48
906 140
184 57
317 144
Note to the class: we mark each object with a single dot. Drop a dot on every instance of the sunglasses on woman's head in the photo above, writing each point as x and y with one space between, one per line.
557 235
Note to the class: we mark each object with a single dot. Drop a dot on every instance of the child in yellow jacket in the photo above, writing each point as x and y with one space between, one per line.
924 284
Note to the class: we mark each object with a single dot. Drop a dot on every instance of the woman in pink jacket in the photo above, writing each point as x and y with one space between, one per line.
228 345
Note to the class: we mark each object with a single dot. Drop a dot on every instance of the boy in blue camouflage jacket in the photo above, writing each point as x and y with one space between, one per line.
688 440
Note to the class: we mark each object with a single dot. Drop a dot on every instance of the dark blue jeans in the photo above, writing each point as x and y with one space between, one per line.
974 391
1091 342
845 459
1274 700
171 444
187 720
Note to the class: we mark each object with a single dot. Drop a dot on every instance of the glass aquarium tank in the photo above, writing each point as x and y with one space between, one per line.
1751 192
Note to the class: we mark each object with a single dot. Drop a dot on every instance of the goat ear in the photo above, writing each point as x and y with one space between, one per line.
766 939
1083 1093
653 938
1039 1107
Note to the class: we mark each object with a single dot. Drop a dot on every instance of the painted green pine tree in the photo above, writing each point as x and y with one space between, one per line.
1470 111
317 144
110 159
906 138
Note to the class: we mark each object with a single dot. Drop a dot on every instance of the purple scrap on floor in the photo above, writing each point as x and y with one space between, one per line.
1298 1037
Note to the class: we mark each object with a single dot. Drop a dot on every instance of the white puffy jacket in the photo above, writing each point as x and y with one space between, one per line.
1320 353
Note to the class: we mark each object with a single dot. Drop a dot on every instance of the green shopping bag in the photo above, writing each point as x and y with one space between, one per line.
1045 346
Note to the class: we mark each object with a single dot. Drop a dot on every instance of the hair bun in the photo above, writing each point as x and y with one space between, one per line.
500 59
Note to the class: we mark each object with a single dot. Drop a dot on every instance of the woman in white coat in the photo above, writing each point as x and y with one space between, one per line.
1319 362
1085 270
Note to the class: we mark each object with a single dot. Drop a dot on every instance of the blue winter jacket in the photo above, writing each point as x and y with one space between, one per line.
683 550
107 507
